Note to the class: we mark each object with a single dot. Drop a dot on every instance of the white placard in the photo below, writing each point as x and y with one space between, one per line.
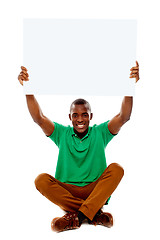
79 56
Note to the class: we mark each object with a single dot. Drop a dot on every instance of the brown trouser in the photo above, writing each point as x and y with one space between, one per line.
87 199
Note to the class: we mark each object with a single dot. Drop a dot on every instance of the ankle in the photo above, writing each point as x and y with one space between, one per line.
81 217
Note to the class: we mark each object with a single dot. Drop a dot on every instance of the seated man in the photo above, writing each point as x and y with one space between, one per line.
83 182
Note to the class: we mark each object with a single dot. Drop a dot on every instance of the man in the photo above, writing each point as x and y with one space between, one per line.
83 183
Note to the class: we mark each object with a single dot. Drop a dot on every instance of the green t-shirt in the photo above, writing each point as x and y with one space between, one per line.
81 161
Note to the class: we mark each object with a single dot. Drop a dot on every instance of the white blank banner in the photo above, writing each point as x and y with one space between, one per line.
79 56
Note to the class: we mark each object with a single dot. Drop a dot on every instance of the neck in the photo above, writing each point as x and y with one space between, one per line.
81 135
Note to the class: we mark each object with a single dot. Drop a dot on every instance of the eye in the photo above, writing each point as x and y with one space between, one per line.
75 115
85 114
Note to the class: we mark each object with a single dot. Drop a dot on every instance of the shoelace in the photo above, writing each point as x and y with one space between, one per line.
72 219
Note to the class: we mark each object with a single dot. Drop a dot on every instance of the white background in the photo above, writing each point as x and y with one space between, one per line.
26 152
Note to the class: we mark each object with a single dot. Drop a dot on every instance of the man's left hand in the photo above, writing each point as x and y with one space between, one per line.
135 72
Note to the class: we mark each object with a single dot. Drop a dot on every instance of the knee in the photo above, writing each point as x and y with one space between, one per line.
117 169
41 180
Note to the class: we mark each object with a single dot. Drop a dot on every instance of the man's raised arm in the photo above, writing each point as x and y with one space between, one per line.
34 108
126 108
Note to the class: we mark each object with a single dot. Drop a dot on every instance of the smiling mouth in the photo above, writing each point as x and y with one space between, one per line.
80 125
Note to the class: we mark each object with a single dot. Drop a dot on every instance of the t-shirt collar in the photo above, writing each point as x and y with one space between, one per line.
74 134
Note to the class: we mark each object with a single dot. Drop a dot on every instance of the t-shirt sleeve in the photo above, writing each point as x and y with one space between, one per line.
57 133
106 134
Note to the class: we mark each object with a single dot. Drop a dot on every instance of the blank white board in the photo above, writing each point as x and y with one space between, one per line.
79 56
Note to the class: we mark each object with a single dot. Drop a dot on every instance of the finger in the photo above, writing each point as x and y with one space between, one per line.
25 74
23 68
23 77
134 68
137 64
20 80
134 71
133 75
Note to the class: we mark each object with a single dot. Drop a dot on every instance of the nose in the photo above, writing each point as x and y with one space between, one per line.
80 119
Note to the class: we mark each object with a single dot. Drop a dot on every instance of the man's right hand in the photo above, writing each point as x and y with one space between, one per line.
23 76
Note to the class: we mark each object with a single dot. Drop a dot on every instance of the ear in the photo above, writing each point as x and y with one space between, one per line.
70 116
91 116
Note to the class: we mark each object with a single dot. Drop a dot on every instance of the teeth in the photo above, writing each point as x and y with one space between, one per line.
80 125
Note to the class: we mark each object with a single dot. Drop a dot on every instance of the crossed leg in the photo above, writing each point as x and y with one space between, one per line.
88 199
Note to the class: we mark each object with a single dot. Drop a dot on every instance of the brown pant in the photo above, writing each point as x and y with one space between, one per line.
87 199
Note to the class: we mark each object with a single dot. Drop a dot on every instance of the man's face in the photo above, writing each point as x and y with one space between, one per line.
80 116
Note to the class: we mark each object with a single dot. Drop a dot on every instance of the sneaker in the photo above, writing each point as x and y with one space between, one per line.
67 222
102 218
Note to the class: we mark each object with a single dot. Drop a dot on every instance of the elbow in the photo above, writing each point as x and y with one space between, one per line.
125 119
38 120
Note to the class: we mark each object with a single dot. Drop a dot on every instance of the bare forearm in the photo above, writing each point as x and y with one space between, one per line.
36 113
123 116
34 108
126 108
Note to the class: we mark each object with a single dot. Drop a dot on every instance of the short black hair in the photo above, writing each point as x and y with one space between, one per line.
80 101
